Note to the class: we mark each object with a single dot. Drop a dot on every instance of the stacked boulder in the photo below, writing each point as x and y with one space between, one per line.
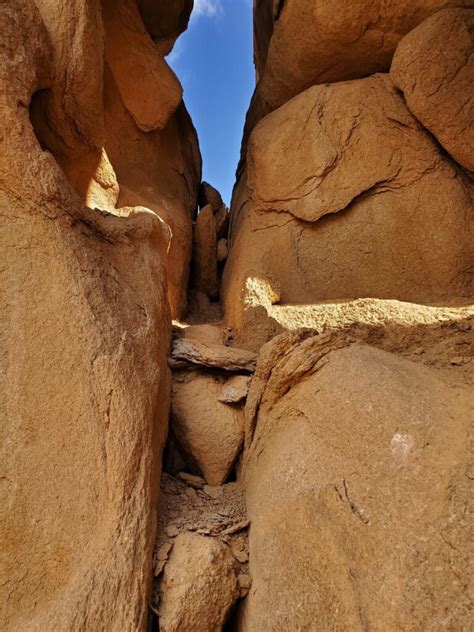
209 389
96 238
364 184
210 241
354 204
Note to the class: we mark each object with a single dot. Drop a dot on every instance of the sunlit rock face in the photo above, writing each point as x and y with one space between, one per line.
343 193
351 254
356 489
91 225
335 44
115 122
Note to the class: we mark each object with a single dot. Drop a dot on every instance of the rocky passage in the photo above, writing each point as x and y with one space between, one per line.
257 419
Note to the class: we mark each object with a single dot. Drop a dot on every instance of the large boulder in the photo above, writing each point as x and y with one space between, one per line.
84 382
357 490
160 171
209 432
148 87
122 135
204 262
165 20
199 585
347 185
301 43
433 66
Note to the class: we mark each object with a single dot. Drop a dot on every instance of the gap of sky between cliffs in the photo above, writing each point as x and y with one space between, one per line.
213 60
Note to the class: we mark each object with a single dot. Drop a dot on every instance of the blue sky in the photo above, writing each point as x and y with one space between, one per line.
213 60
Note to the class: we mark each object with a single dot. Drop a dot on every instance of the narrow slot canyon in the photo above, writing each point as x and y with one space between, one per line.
238 404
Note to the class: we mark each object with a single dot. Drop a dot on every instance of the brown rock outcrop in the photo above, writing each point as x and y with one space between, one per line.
209 433
434 67
348 197
85 332
148 87
213 355
356 490
333 45
165 20
93 115
199 585
205 253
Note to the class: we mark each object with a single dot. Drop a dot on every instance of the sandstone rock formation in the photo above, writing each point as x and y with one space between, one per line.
209 432
356 490
85 329
433 67
199 585
348 248
205 253
212 355
122 135
334 44
345 182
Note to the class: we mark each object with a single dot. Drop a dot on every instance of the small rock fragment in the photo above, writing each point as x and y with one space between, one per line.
162 557
239 554
172 531
222 250
213 491
235 389
192 479
164 550
245 583
191 492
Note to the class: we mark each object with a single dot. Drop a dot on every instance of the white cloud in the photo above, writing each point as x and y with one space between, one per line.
207 7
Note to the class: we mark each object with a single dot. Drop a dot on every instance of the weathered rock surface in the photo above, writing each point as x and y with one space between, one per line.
333 45
204 264
84 382
356 489
92 117
222 250
209 433
212 355
84 403
199 585
434 67
148 87
165 20
235 389
210 195
346 196
160 171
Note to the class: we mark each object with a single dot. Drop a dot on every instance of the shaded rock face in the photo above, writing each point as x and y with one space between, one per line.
121 135
85 329
356 490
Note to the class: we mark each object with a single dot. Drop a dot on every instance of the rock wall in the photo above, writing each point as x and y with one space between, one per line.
352 180
317 466
351 237
356 487
99 178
